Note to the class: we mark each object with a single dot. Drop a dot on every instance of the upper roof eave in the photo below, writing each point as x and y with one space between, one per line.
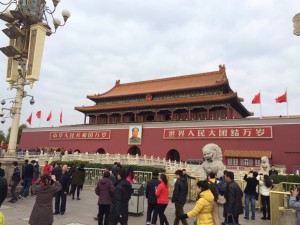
200 99
184 82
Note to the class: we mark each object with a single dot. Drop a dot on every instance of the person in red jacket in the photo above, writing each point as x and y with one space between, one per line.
162 193
46 170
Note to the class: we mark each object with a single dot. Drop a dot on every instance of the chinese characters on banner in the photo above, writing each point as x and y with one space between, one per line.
80 135
257 132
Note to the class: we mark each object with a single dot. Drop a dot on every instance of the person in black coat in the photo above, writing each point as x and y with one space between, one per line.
27 179
61 196
16 177
122 195
152 199
57 171
3 189
233 195
2 172
179 197
272 171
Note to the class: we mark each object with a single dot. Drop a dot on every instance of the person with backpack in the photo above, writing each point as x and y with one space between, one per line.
78 181
222 184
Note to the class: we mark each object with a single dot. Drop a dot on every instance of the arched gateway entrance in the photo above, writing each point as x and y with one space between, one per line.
100 151
173 155
134 150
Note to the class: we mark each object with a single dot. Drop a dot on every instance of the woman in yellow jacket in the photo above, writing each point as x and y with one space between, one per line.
203 208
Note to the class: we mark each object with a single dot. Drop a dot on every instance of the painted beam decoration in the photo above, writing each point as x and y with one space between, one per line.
79 135
251 132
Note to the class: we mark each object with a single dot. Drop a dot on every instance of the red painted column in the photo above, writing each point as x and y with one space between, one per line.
207 114
108 118
134 117
172 115
84 119
228 112
96 120
121 121
189 115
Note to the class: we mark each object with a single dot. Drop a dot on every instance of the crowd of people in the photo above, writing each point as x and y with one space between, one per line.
114 191
57 181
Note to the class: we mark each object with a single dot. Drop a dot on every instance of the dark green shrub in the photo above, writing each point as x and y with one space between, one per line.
103 166
285 178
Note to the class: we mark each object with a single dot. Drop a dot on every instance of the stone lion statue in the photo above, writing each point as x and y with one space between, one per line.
212 155
264 165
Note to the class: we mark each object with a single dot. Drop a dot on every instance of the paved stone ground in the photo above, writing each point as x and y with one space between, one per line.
81 212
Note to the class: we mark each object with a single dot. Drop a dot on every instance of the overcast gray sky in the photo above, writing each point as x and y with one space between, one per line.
136 40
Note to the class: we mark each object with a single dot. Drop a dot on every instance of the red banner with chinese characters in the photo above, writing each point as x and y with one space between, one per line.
255 132
79 135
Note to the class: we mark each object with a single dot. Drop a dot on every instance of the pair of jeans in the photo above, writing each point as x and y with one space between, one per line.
60 202
25 190
250 199
265 202
152 208
103 212
178 212
161 212
13 192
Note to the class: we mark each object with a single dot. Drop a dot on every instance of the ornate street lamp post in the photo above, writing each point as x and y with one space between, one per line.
27 26
296 21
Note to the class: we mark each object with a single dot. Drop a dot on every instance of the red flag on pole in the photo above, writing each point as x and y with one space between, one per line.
49 116
282 98
29 119
38 114
60 117
256 99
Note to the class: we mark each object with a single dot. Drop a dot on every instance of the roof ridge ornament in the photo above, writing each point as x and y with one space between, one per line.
223 77
117 82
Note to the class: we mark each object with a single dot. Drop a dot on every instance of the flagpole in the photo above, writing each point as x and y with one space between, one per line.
260 104
287 105
40 121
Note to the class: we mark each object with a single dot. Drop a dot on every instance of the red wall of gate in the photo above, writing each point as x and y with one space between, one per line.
285 144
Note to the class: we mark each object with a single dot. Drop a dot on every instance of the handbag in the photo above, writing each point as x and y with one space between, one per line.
256 195
230 223
221 200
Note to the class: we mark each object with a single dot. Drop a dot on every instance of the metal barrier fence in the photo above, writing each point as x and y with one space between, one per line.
92 176
280 211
